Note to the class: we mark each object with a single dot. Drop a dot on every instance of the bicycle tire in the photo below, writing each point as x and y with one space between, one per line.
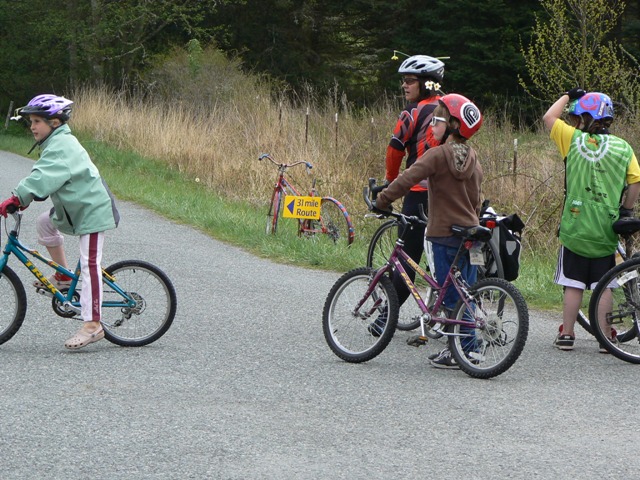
583 321
156 309
335 222
382 244
380 247
347 332
273 214
583 318
620 312
496 346
14 304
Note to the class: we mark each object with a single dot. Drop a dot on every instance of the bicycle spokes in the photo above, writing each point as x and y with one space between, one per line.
501 325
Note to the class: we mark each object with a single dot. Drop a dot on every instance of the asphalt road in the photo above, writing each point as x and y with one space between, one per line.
243 386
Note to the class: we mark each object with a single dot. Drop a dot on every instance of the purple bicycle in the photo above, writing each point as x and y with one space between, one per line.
486 331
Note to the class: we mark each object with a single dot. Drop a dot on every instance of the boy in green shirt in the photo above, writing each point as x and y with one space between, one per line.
598 166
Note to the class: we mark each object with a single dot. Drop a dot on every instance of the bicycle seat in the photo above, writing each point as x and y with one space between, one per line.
476 232
626 225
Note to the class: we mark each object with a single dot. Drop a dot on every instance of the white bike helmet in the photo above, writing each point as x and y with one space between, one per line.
423 66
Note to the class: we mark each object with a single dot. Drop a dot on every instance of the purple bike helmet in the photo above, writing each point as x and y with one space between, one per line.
596 104
49 106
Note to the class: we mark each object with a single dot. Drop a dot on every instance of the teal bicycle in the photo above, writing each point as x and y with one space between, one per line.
139 300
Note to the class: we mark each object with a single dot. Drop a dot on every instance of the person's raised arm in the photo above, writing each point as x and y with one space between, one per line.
555 110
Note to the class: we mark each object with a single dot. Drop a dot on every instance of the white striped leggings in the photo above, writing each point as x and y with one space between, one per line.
90 259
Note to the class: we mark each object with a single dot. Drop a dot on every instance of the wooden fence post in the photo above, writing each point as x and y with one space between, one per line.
372 130
306 127
6 122
515 160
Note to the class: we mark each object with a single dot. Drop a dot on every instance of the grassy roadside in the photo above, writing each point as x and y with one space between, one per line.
176 196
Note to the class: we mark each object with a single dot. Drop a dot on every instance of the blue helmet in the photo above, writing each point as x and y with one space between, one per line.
596 104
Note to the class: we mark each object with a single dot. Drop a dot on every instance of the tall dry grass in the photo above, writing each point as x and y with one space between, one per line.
219 144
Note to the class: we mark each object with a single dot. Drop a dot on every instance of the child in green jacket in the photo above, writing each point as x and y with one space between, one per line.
82 205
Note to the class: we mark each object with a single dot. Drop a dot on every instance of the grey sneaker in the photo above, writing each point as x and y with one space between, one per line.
376 327
564 342
444 360
433 356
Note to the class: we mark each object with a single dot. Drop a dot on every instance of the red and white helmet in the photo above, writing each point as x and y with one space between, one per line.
467 113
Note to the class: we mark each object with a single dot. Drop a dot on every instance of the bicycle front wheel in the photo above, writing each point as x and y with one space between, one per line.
502 326
360 334
381 245
334 223
614 308
583 321
155 306
14 304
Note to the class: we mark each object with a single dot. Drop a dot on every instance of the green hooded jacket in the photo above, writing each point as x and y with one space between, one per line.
81 199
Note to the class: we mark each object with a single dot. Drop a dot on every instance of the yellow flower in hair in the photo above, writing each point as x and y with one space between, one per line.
431 85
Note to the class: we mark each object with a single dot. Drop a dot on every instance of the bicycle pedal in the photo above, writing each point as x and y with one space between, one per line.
44 292
416 340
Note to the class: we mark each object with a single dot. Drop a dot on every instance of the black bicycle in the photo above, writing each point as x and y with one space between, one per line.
627 229
614 307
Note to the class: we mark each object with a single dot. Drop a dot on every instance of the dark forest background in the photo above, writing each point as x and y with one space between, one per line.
329 46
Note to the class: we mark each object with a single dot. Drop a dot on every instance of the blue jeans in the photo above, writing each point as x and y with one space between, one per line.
443 257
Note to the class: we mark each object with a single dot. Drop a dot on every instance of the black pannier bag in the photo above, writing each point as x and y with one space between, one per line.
509 234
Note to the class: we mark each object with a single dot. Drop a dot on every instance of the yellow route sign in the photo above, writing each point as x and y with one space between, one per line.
307 208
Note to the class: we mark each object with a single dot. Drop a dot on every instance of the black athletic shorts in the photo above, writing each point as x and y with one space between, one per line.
581 272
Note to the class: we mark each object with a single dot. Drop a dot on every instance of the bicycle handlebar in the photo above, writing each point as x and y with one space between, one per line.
372 191
285 165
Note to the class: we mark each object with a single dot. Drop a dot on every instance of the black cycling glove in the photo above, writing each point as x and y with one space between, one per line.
389 209
576 93
626 212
